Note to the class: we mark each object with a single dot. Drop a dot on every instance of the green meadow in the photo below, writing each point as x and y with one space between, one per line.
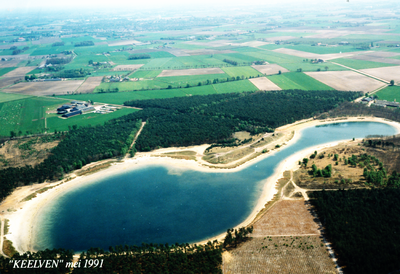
390 93
297 80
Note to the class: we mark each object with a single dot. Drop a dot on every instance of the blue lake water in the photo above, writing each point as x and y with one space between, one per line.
152 204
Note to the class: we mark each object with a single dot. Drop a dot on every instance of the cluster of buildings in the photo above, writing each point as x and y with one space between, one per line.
75 108
380 103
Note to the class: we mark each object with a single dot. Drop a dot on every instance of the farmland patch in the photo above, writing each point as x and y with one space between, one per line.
127 67
386 73
19 72
263 83
184 72
270 69
346 80
44 88
90 84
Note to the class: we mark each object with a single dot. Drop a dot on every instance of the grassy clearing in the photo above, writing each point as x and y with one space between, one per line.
6 97
6 70
26 115
360 64
191 80
391 93
56 123
297 80
241 71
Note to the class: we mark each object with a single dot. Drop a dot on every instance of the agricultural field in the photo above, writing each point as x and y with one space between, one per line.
19 72
90 84
236 86
263 83
390 93
26 115
297 80
146 74
346 80
361 64
386 73
127 67
189 72
6 97
241 71
4 71
269 69
45 88
131 85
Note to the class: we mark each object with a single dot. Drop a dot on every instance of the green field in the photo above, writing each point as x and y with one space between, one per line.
236 86
191 80
241 71
121 97
6 97
26 115
130 86
391 93
56 123
145 74
360 64
6 70
297 80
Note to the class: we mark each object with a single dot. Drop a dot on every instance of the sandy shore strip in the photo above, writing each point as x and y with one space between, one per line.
23 215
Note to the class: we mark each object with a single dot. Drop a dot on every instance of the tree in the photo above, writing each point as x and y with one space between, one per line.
299 70
392 82
326 67
305 162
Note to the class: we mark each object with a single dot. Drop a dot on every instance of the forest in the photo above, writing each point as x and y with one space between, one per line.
78 148
147 258
208 119
363 226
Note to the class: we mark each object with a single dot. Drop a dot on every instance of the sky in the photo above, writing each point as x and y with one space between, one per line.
76 4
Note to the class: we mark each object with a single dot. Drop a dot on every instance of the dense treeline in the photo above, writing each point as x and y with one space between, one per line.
148 258
139 56
233 63
84 44
59 61
235 237
58 44
72 73
363 226
79 147
196 120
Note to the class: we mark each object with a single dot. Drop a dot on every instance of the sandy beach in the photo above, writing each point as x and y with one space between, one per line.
23 215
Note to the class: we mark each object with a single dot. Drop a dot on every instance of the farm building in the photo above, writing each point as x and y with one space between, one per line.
366 100
72 113
384 103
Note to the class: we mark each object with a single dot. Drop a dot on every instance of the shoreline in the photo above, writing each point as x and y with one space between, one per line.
23 221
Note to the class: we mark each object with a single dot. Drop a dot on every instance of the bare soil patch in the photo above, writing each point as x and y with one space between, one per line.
127 67
19 72
125 43
208 51
45 88
309 55
9 64
178 52
90 84
217 43
186 72
279 38
11 155
386 73
307 254
254 44
270 69
287 217
262 83
371 58
346 80
6 81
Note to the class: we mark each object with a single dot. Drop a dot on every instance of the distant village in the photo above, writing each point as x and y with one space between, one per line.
79 107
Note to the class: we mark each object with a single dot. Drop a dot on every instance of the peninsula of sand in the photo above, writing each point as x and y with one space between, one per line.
25 204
